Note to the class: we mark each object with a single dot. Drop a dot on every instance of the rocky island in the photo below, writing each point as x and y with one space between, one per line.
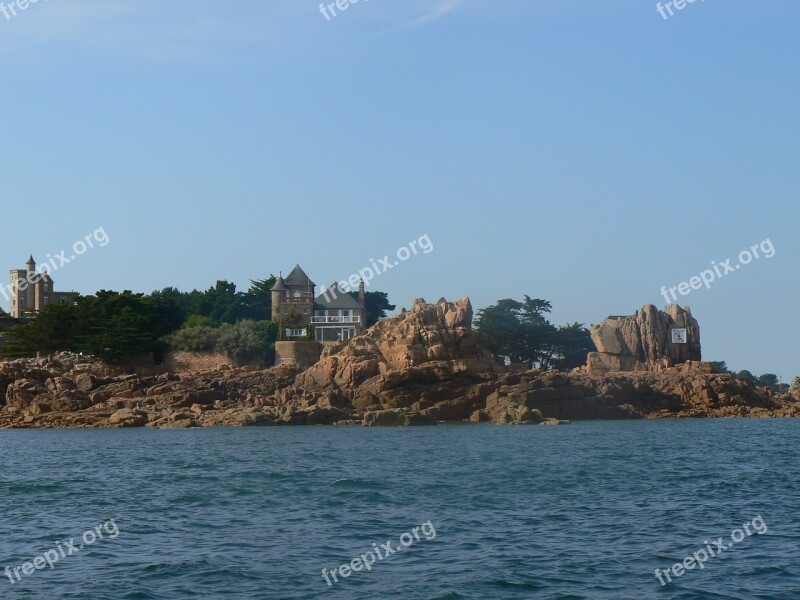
422 366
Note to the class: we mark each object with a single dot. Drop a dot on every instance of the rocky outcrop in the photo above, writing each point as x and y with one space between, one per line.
690 390
643 342
63 391
396 417
426 359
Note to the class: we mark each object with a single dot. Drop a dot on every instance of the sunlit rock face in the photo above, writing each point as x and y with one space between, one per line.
643 341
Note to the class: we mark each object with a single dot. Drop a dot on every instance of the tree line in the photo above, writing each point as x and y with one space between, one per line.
767 380
114 326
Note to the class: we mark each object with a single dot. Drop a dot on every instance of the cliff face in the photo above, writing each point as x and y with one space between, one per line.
418 367
643 342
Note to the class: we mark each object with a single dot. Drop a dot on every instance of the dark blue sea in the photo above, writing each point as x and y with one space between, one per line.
589 510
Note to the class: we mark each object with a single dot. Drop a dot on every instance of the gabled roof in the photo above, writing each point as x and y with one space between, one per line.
280 285
298 279
335 298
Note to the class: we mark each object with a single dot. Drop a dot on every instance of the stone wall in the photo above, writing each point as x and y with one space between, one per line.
196 362
297 354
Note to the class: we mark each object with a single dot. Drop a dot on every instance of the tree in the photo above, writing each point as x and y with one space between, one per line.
768 380
376 306
574 342
196 321
258 299
221 302
719 366
519 332
746 376
54 330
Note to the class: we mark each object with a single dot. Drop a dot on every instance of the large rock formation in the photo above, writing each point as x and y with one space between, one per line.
420 359
643 342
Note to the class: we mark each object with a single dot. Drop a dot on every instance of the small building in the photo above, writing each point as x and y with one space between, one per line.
32 291
335 315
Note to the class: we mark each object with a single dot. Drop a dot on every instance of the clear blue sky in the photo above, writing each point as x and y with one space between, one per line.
579 151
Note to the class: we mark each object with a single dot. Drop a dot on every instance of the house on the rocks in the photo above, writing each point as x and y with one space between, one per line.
334 315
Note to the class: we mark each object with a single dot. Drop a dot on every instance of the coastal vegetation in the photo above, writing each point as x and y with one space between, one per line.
109 325
767 380
115 326
520 333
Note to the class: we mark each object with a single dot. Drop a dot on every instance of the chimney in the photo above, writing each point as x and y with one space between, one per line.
361 293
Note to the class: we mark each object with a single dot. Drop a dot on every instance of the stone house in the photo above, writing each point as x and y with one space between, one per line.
334 314
32 291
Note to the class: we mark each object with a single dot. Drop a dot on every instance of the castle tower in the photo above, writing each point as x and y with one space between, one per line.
278 291
30 295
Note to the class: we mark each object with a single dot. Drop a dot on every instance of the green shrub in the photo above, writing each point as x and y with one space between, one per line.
194 339
242 342
247 341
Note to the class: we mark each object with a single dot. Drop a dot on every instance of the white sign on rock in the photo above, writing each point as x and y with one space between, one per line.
679 336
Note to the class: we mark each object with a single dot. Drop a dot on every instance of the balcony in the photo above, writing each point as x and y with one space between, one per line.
309 299
336 319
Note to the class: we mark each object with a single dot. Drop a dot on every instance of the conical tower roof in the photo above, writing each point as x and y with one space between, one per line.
298 278
280 285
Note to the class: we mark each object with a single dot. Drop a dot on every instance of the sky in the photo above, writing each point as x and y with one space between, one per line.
587 153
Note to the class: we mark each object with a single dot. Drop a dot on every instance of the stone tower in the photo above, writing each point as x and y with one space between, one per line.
277 296
30 304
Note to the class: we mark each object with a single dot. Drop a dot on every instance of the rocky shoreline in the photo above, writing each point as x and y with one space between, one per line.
367 381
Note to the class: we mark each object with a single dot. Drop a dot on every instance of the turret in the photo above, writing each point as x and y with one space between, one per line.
277 296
